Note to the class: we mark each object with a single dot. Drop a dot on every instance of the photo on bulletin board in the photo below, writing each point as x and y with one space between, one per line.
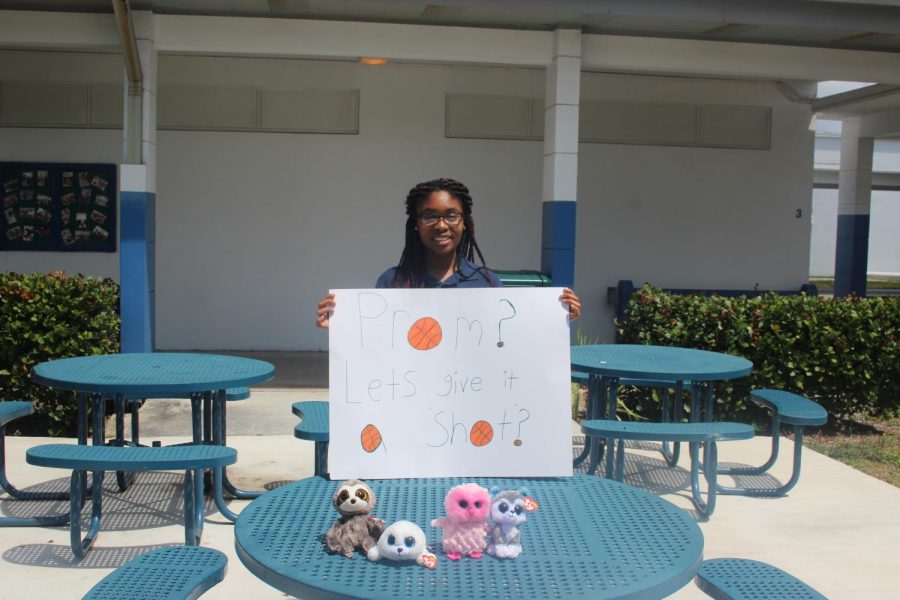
28 220
87 208
58 206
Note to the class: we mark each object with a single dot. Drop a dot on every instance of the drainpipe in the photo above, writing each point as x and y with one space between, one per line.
133 103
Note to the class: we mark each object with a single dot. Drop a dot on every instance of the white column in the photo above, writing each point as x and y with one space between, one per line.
561 104
854 207
137 199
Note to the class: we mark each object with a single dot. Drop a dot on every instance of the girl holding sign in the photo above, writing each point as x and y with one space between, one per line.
440 247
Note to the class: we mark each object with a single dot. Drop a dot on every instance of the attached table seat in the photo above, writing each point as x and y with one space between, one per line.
98 459
171 573
694 433
314 427
744 579
789 409
9 412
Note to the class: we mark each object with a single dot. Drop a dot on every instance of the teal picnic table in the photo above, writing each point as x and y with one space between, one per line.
155 375
608 364
589 538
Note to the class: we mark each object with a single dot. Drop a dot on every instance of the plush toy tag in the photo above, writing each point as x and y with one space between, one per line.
429 560
530 504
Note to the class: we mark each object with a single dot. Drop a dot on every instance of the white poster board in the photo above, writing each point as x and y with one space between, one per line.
449 382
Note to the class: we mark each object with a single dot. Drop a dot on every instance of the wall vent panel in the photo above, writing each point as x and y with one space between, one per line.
207 108
312 111
493 117
44 104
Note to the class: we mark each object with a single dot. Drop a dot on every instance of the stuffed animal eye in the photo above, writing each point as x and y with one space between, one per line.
463 504
342 497
478 504
518 510
362 495
503 507
410 541
392 541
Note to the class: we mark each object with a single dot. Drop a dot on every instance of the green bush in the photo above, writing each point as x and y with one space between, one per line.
843 353
48 316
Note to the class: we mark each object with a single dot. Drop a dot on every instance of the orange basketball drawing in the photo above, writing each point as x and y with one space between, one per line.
481 433
370 438
424 334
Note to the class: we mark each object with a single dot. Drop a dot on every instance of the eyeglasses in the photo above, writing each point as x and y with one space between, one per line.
431 218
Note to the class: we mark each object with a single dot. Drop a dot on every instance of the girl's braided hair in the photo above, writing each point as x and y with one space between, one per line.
411 269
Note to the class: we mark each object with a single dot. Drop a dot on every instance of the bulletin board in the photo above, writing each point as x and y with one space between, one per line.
58 206
449 382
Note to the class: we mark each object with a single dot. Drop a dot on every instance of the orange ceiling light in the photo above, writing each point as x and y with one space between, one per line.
372 60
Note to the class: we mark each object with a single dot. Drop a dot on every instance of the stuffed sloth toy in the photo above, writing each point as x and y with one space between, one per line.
403 540
355 528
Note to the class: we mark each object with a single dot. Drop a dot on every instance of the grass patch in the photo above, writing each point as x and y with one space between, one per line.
869 445
872 283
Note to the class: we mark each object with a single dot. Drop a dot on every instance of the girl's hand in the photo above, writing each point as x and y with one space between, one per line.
326 309
570 298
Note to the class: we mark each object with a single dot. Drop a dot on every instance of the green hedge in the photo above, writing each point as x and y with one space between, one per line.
843 352
48 316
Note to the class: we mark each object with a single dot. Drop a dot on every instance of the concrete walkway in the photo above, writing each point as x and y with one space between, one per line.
838 530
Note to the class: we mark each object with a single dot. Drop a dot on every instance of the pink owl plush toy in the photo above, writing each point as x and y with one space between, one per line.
465 526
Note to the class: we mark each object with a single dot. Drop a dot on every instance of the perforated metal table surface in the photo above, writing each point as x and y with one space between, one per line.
152 373
590 538
204 377
658 363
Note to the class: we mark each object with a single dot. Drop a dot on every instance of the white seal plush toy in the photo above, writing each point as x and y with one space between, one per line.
403 541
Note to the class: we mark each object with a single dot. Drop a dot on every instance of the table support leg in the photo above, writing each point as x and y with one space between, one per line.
709 467
321 459
77 492
612 398
123 479
219 424
597 408
193 506
672 413
196 418
593 390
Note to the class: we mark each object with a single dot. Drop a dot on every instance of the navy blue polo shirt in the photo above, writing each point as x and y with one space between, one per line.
467 275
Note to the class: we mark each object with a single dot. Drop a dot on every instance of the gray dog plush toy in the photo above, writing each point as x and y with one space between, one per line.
355 528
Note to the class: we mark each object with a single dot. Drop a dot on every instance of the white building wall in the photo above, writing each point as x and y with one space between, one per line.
692 217
252 228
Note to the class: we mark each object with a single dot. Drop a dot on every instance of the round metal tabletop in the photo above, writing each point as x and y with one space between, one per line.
589 538
152 372
658 362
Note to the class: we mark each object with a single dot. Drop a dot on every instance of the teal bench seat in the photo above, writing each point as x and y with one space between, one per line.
314 427
744 579
693 433
171 573
97 459
11 410
671 411
787 409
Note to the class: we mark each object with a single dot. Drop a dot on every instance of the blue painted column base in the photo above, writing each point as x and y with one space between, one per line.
852 255
137 267
558 242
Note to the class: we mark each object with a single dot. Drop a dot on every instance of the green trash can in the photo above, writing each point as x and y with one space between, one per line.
523 279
